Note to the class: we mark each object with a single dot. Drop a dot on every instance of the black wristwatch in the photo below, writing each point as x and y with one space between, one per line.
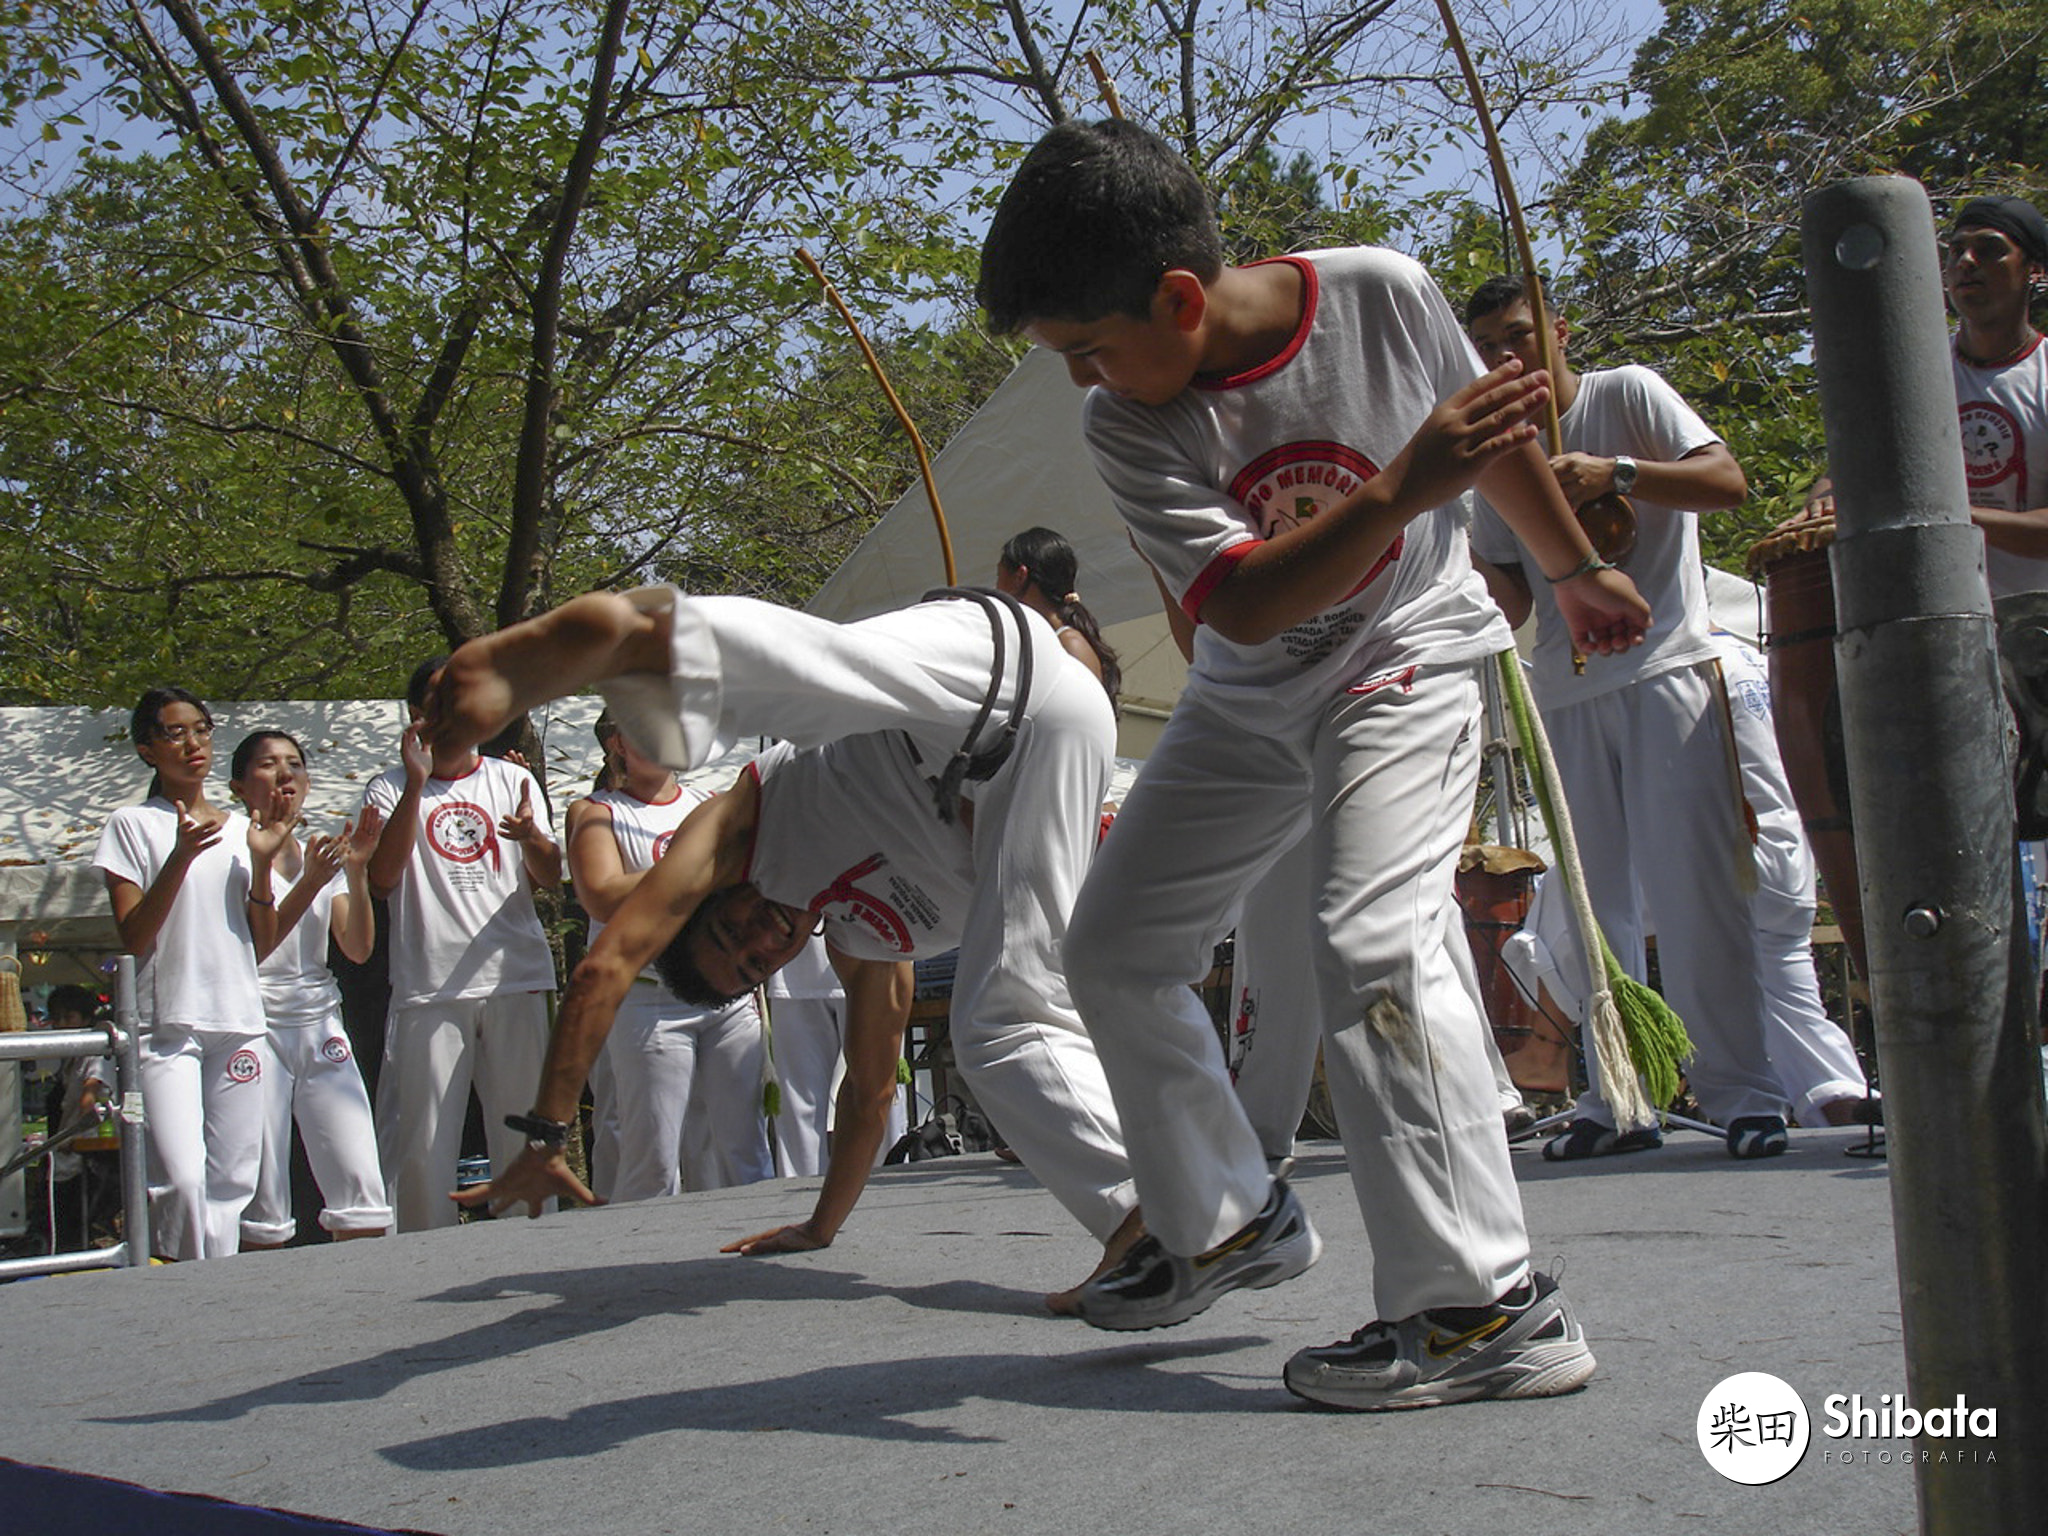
541 1133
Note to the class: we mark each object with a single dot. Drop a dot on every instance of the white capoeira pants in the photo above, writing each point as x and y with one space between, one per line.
432 1053
809 1042
1276 1020
673 1067
314 1081
741 667
1383 778
204 1096
1812 1056
1646 771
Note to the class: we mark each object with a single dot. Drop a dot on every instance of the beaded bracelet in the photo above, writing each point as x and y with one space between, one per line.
1591 563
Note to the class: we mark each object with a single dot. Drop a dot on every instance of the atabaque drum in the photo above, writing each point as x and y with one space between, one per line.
1495 886
1806 705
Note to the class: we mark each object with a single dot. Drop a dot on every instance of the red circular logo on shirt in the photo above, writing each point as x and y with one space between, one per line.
462 833
661 844
1991 443
1293 484
244 1067
335 1049
1287 486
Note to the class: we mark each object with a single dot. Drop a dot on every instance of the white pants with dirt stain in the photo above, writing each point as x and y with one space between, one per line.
1382 781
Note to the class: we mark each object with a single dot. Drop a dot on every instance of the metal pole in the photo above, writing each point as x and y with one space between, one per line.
1925 726
134 1124
1499 754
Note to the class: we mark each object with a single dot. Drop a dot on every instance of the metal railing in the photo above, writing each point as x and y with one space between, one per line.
117 1040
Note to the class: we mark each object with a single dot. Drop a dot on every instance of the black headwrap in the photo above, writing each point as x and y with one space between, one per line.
2013 217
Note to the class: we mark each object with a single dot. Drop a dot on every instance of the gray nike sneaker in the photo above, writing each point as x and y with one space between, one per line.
1152 1288
1527 1344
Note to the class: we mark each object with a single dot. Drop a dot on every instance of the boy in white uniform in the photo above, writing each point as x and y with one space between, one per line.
1289 442
670 1064
1644 747
466 840
890 815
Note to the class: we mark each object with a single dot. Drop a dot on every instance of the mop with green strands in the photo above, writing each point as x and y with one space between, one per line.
1633 1029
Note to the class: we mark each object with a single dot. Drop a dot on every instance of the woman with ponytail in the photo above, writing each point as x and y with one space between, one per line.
1039 568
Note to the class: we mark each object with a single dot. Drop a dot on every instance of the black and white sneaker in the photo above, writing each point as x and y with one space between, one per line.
1527 1344
1757 1136
1152 1288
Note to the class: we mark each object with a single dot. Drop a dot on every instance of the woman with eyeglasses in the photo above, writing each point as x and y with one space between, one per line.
190 886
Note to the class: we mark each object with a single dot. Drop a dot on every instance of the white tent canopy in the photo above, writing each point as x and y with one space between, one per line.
77 767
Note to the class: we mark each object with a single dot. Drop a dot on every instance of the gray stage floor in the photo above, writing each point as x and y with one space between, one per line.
608 1371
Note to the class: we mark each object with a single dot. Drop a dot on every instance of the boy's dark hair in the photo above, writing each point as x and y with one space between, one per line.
422 677
678 971
1497 293
1095 216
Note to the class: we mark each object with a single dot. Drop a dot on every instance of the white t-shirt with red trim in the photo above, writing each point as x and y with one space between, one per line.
1229 462
200 974
642 829
2003 413
1629 410
848 831
462 919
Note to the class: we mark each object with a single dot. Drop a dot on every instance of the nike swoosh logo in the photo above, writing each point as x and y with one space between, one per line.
1224 1250
1438 1346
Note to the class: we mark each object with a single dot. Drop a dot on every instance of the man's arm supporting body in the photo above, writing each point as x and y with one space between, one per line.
878 994
708 853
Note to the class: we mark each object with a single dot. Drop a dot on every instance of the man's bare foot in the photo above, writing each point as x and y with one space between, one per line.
1067 1303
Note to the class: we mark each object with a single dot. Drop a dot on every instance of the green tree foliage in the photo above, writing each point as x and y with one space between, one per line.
1682 220
425 316
346 332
